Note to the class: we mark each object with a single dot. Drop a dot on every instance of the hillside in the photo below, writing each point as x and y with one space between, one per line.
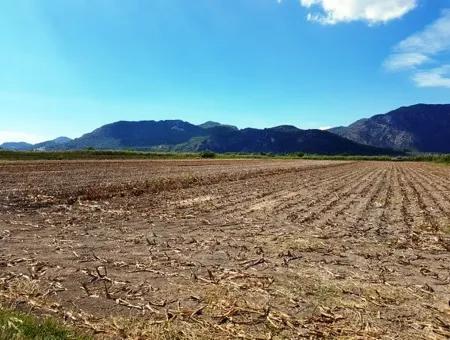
421 127
52 144
17 146
283 140
138 135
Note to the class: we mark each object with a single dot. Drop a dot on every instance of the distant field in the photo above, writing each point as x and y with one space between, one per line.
225 249
99 155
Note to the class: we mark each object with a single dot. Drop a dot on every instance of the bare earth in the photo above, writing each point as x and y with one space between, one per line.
229 249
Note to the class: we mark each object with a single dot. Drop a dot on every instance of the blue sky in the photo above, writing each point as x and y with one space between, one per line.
70 66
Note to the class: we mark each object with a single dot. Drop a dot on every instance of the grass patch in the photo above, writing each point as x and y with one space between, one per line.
21 326
127 328
91 154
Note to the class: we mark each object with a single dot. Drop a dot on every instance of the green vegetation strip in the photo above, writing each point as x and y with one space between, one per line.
121 155
20 326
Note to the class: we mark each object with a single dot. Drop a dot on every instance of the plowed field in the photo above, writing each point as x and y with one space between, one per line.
229 249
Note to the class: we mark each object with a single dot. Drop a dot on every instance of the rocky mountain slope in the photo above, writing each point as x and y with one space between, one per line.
422 127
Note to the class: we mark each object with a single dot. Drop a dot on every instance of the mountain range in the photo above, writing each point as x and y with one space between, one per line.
177 135
418 128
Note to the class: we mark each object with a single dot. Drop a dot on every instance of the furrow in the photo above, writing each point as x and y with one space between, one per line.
342 196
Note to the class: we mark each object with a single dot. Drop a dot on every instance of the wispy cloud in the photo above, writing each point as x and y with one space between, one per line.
372 11
399 61
424 48
420 47
436 77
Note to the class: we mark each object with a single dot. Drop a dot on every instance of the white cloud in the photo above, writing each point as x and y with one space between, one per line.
16 136
436 77
398 61
422 48
372 11
418 48
435 38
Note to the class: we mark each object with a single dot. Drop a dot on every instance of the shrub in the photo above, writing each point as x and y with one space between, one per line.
208 154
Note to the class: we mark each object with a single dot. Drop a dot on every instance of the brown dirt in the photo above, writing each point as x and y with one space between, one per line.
229 249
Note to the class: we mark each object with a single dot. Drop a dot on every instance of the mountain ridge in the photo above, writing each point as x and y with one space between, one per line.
178 135
417 128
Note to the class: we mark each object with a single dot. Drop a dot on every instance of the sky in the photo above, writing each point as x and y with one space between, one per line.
68 67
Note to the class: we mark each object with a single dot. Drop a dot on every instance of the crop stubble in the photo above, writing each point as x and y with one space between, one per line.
252 249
